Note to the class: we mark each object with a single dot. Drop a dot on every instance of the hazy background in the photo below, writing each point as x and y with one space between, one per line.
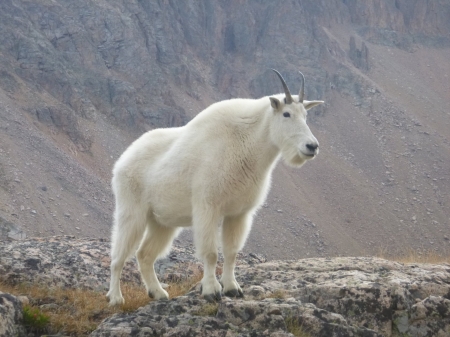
80 80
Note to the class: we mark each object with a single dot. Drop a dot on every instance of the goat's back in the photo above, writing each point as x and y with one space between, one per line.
169 169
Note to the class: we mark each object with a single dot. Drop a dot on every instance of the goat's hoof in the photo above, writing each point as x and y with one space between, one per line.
113 301
234 293
212 298
159 296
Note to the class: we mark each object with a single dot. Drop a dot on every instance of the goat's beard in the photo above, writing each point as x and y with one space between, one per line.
294 158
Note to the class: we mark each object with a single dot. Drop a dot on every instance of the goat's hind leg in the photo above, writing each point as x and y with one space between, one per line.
234 233
156 243
127 233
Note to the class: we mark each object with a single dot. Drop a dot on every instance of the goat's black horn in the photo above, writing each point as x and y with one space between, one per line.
302 89
286 89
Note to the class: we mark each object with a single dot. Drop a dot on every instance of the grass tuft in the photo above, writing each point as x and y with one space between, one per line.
295 327
35 320
278 294
209 309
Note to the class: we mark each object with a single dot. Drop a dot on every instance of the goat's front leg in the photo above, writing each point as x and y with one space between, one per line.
234 233
205 225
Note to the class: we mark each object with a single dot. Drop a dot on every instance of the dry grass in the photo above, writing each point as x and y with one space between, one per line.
296 328
209 309
181 287
77 312
416 256
278 293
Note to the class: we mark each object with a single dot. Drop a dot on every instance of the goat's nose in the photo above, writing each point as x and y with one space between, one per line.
312 147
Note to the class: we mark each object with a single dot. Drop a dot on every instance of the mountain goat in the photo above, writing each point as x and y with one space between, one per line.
212 173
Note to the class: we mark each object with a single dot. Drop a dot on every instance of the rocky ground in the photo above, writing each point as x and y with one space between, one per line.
344 296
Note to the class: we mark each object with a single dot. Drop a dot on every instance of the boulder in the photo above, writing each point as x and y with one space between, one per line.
11 318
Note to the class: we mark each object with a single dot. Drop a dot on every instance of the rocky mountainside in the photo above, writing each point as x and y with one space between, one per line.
80 80
327 297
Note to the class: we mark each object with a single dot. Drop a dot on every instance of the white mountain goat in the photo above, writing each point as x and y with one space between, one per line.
213 173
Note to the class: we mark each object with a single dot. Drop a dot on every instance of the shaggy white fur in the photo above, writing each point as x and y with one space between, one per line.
212 174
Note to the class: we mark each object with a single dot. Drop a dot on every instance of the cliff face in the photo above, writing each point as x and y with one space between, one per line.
80 80
130 61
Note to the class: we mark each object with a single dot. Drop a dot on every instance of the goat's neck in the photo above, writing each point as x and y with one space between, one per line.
264 151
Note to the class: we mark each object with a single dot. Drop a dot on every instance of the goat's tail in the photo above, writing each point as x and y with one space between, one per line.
130 220
127 233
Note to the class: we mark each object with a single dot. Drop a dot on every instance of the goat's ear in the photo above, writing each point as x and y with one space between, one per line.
275 103
311 104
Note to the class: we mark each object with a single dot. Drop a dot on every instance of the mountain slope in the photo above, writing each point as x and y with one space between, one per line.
80 80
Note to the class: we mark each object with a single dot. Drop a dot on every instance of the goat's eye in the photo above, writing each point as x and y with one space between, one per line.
286 114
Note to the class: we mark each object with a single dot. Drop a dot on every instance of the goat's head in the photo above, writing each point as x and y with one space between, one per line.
288 129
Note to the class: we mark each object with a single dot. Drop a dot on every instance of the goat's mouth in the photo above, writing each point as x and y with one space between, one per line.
308 155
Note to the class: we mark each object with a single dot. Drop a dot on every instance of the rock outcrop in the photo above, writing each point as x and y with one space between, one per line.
384 295
360 57
11 316
192 316
9 231
342 296
64 261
